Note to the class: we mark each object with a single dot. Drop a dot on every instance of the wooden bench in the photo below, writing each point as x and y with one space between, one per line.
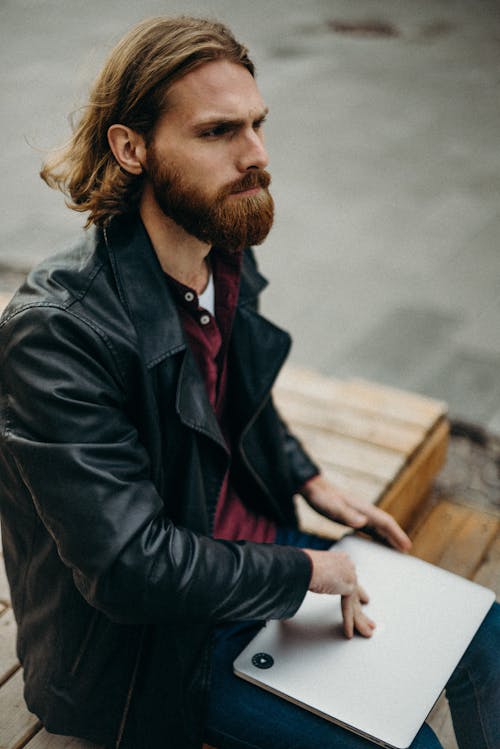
375 442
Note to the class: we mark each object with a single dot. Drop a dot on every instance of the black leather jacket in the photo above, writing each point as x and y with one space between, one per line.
111 464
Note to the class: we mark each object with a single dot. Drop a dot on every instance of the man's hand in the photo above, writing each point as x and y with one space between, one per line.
334 573
353 616
356 513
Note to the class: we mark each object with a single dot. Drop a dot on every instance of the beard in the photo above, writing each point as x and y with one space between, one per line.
224 220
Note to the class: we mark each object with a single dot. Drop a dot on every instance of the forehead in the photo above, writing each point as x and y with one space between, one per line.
219 89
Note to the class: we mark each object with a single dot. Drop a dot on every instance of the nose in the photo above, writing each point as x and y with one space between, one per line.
252 154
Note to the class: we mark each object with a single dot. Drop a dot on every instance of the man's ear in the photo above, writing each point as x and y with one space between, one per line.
128 147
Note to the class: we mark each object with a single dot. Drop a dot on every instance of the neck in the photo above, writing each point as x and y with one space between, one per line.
180 254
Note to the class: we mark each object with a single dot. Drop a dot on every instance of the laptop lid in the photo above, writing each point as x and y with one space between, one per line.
383 687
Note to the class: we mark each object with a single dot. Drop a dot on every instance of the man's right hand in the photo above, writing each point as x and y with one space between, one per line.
333 573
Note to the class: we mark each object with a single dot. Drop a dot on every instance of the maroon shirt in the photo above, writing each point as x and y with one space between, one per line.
209 337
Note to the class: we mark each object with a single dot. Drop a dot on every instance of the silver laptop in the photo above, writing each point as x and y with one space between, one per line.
384 687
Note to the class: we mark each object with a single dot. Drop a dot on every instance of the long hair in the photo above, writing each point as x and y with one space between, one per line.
131 90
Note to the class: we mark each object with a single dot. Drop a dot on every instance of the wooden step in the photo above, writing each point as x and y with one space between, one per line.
45 740
457 538
18 725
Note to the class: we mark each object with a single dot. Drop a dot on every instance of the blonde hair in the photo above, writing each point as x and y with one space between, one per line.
131 90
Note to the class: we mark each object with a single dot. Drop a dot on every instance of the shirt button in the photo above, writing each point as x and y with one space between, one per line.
204 319
189 296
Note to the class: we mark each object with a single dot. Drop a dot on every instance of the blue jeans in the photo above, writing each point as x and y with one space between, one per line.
244 716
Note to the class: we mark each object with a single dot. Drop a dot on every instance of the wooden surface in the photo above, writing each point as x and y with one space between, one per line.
376 443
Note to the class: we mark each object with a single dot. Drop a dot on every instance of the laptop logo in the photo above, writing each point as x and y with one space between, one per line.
263 660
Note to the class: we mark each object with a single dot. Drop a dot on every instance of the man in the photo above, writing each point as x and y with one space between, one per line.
147 479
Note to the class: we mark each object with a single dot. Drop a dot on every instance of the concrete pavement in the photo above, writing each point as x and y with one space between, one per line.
384 259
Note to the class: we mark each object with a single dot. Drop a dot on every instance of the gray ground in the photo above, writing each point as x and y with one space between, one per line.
385 156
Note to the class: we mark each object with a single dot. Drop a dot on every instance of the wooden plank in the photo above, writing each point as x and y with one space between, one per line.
4 585
399 405
403 498
404 405
351 455
309 383
375 429
18 725
488 573
455 537
8 658
359 487
45 740
466 553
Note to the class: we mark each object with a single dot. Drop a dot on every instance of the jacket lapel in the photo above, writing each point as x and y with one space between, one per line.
258 347
192 404
258 350
145 294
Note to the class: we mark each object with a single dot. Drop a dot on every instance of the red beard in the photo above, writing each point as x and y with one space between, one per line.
225 220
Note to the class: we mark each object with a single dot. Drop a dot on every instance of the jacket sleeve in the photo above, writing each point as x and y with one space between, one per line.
77 458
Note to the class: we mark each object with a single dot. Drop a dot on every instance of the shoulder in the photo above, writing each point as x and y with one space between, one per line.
61 278
76 285
67 303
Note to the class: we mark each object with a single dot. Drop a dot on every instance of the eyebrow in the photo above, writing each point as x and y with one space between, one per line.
224 120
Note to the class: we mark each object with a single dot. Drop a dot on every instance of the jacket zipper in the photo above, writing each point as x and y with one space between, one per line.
128 699
85 642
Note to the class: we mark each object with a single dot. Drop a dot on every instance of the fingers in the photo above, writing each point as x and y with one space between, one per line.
363 595
391 531
342 509
333 572
387 527
356 513
330 501
355 620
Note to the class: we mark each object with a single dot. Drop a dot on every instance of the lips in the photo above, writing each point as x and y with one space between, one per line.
257 188
253 181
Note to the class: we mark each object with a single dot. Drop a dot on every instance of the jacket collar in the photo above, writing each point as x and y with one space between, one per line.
144 292
142 288
252 282
151 307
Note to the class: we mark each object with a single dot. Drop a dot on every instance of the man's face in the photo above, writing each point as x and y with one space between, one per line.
205 164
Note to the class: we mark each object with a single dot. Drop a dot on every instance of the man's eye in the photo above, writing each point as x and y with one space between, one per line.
215 132
257 125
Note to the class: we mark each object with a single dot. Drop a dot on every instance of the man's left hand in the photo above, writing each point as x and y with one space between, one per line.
357 513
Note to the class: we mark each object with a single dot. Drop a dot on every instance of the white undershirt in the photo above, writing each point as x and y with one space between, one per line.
207 298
